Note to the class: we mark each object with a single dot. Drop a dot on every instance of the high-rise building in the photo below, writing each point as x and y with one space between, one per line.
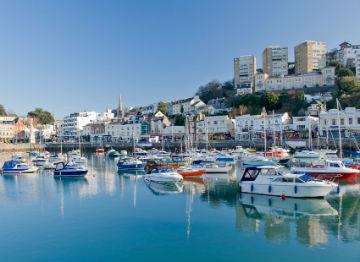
275 60
310 56
244 73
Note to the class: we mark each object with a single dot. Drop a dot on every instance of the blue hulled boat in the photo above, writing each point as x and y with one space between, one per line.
16 166
69 170
130 164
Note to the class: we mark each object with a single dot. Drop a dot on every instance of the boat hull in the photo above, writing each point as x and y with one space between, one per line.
138 167
192 173
70 173
293 190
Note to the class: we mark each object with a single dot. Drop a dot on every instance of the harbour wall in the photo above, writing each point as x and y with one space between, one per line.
347 143
21 147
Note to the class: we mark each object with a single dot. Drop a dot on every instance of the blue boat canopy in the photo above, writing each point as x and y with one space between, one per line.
10 164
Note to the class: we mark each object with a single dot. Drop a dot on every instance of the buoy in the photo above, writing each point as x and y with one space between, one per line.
283 197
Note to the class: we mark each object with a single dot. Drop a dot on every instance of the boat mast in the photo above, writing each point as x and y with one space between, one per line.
339 128
264 117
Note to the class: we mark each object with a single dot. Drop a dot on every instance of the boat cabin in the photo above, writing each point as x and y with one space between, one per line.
251 173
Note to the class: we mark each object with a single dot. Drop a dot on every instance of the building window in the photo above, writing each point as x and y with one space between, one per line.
334 122
350 121
342 121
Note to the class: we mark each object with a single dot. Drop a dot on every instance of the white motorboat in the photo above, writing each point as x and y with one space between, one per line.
212 167
329 169
256 159
163 175
306 154
77 159
267 180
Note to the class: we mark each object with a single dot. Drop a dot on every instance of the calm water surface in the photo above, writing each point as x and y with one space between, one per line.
112 217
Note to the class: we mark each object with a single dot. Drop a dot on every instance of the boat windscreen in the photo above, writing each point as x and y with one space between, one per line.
9 164
250 174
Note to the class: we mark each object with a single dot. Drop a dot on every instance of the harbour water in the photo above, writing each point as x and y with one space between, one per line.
118 217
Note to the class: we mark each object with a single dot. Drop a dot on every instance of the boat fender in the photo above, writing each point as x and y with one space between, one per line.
269 189
240 189
252 188
295 189
283 197
338 189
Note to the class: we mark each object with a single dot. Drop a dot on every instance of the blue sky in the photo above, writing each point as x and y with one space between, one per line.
71 55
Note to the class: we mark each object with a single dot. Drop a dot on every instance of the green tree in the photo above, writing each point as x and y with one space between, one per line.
2 110
41 116
162 107
272 101
343 72
179 120
348 85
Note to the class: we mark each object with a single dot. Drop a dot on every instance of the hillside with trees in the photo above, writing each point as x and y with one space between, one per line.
41 116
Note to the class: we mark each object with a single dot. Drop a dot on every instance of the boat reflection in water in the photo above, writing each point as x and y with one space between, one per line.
164 188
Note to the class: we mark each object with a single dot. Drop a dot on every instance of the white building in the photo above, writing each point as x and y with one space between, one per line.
244 73
252 124
347 54
348 119
186 106
215 127
74 124
123 131
326 77
46 132
303 123
275 60
174 132
106 116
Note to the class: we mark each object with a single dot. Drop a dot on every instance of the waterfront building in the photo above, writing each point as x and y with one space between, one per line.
95 132
310 56
215 128
45 132
265 83
347 53
348 119
315 109
174 133
157 124
302 125
275 60
7 128
74 123
187 106
123 131
253 125
244 73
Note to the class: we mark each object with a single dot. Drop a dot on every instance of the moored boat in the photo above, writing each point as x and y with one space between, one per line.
267 180
69 170
14 166
331 170
188 171
163 175
130 164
